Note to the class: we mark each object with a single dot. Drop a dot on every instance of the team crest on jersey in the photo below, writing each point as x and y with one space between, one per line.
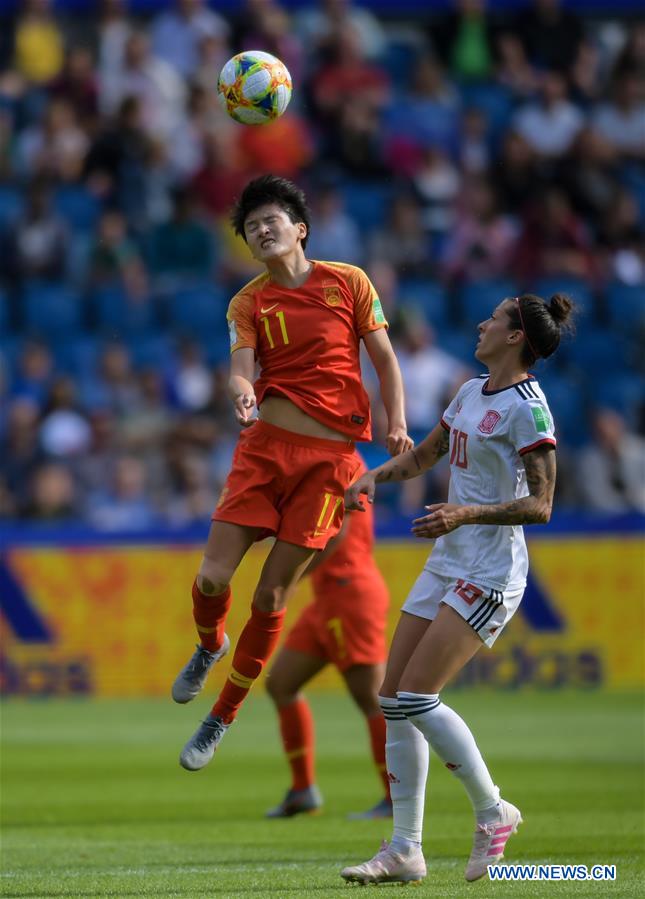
489 421
331 291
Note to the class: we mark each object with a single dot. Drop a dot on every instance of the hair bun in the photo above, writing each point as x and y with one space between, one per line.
561 308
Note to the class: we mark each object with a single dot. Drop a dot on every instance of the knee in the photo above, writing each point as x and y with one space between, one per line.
278 690
213 578
269 598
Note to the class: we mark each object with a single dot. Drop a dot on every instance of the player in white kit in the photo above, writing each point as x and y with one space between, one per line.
500 436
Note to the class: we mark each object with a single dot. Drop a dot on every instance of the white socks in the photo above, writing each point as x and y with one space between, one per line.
406 755
455 745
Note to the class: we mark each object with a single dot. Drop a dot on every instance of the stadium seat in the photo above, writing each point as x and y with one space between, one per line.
77 355
367 203
428 297
566 399
11 205
477 300
626 307
459 343
152 349
595 350
77 206
578 290
4 313
623 392
50 309
494 100
197 311
115 314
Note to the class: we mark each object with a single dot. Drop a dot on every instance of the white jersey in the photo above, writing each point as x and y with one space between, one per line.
490 430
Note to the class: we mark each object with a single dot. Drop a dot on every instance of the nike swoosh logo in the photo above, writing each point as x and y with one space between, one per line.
319 533
269 309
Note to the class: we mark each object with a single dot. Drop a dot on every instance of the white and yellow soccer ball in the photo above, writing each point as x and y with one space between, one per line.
254 87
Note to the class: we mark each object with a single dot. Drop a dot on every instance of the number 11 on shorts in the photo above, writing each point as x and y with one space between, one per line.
326 517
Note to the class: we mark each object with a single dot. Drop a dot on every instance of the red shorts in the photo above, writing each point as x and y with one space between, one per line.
288 484
345 624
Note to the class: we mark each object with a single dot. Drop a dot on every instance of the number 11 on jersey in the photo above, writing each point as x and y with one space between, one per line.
283 329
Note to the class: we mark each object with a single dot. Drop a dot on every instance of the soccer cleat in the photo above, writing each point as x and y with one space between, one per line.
382 809
192 676
388 866
490 840
297 802
199 750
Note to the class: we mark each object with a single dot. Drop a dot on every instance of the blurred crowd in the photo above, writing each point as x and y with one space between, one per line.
459 158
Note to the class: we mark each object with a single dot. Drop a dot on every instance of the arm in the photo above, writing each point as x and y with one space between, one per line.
381 354
240 385
532 509
409 464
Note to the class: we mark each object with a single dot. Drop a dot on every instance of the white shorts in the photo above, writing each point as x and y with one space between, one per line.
486 611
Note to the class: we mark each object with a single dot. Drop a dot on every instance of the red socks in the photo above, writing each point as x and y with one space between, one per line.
254 648
376 724
210 613
297 729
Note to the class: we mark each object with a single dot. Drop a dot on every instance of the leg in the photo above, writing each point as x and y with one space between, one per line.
281 572
225 549
447 645
409 632
289 673
363 682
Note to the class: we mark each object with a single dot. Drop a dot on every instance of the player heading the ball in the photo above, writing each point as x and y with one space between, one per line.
302 323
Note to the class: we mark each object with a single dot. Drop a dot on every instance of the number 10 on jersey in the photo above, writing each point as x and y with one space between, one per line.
458 454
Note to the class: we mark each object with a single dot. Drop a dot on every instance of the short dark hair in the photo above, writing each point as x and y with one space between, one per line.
271 189
542 323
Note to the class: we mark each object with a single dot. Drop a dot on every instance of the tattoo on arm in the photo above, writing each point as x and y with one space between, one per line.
534 508
415 461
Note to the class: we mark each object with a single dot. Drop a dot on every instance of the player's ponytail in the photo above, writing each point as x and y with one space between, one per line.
542 323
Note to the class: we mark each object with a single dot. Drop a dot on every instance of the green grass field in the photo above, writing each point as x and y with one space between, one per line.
95 804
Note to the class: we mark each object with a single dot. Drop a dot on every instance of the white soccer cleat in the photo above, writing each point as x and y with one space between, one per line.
192 677
388 866
199 750
490 840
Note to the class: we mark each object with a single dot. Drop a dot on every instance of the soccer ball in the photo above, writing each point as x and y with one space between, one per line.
254 87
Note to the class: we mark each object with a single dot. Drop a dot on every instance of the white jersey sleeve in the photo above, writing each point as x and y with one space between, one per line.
531 425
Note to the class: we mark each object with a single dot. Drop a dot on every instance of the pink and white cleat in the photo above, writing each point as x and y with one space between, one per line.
388 866
490 840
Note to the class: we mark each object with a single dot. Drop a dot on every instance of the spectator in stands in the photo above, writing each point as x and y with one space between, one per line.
590 175
550 34
334 235
474 145
265 24
37 244
611 469
156 85
513 70
20 449
96 466
78 85
147 421
318 27
115 260
181 250
482 241
465 39
621 121
621 240
193 498
64 430
224 172
516 174
402 239
437 182
190 382
185 148
114 29
284 147
551 124
176 34
38 43
554 242
34 373
52 495
55 147
123 504
114 386
355 145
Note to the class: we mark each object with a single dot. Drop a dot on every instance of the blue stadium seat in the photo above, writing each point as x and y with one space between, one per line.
494 100
568 405
116 314
198 311
578 290
77 355
77 206
623 392
477 300
595 352
426 296
4 312
151 350
626 307
11 205
459 343
367 203
51 309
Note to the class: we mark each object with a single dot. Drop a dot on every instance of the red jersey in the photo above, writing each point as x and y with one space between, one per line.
307 342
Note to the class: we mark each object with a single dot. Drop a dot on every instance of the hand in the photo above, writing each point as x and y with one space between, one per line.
365 484
244 404
398 441
441 519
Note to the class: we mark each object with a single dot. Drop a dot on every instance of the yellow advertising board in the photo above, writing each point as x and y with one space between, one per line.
116 621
